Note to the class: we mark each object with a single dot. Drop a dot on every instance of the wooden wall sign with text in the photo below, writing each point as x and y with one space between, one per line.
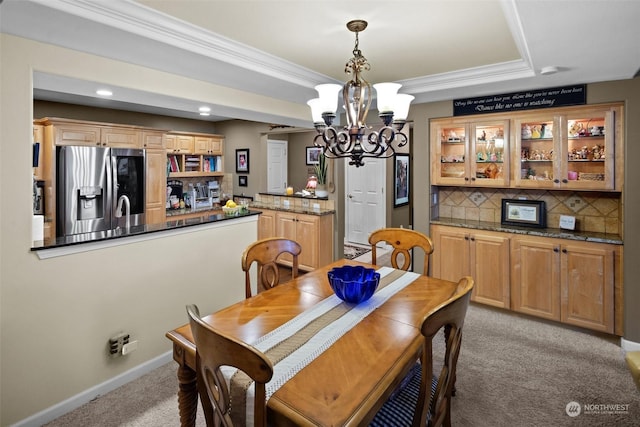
525 100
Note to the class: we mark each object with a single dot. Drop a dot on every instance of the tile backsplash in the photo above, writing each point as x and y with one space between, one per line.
594 211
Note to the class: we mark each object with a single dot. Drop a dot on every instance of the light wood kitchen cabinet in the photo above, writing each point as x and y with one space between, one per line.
470 152
208 145
194 154
566 148
535 277
178 143
577 149
309 231
266 224
569 281
484 255
156 177
64 132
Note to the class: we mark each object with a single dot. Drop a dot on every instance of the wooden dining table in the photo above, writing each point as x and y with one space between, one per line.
349 381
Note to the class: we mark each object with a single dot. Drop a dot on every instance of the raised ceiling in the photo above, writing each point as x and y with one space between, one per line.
438 49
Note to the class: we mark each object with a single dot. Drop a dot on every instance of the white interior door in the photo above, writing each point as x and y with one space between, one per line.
365 195
276 166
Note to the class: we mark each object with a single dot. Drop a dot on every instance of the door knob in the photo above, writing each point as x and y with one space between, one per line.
350 196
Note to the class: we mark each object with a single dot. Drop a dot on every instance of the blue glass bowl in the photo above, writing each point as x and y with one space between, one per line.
353 284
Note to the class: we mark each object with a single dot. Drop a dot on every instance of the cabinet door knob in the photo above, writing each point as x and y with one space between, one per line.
556 250
564 251
473 239
556 180
466 179
466 237
473 178
564 181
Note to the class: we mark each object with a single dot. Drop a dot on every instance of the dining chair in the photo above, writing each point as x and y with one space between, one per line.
265 253
215 349
402 240
425 399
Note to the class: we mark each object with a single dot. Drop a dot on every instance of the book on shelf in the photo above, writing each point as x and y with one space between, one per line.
174 164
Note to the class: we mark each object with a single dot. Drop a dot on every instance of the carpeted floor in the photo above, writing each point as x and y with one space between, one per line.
512 371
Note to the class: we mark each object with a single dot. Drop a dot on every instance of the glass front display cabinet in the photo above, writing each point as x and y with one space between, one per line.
573 151
471 153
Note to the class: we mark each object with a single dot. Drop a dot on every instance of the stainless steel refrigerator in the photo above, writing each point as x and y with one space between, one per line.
91 181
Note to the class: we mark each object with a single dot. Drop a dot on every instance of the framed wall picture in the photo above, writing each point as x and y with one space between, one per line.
527 213
313 155
242 180
242 160
401 179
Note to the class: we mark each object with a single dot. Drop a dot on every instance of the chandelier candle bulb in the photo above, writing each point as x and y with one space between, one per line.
386 93
328 95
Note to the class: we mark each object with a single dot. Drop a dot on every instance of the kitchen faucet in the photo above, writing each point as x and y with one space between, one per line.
127 206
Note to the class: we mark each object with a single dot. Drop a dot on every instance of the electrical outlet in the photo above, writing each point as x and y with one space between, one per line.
305 203
117 343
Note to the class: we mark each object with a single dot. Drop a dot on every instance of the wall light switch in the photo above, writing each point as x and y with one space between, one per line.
568 222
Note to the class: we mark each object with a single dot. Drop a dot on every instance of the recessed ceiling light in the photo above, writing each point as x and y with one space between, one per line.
204 109
204 113
104 92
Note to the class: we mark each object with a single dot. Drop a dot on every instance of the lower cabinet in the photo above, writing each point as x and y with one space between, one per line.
266 224
483 255
574 282
569 281
314 233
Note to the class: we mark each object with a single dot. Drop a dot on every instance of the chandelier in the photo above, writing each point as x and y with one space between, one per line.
356 140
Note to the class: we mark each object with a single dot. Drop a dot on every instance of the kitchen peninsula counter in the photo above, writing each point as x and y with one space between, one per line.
207 217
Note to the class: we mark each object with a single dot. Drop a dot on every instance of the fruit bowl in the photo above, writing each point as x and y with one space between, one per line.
353 284
230 211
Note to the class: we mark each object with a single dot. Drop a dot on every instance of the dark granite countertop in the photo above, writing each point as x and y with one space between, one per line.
614 239
138 230
293 209
298 196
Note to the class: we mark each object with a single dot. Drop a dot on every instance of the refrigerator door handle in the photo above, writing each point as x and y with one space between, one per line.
112 190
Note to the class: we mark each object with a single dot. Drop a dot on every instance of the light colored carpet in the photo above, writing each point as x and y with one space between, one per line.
512 371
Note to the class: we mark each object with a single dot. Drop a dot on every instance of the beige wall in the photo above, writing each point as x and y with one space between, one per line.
56 315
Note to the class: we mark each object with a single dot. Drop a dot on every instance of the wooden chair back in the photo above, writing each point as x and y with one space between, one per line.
265 253
215 349
449 316
402 240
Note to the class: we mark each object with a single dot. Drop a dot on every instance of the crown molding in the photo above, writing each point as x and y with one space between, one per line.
135 18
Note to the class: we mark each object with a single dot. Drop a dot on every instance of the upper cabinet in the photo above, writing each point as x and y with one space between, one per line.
194 154
573 148
577 149
471 153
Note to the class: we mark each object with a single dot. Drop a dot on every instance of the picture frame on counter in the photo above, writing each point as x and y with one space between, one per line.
401 180
242 160
526 213
242 180
313 155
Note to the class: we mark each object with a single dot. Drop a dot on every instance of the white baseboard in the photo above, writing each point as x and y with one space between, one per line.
629 345
80 399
